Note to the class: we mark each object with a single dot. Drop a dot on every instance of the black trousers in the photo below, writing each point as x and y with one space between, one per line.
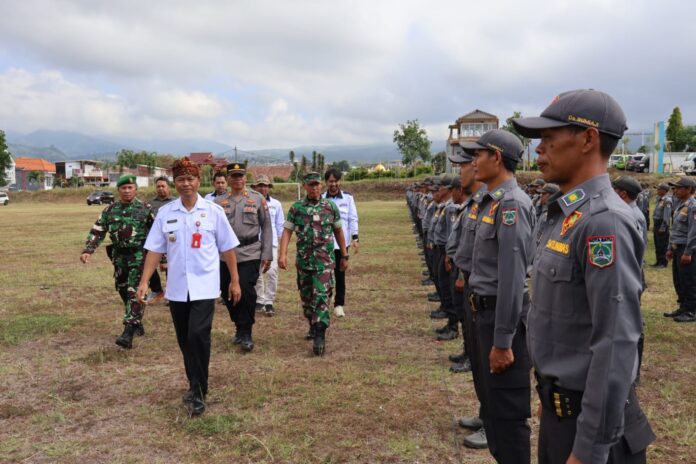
192 323
156 282
505 397
429 262
684 279
443 283
243 314
471 346
457 302
557 436
661 243
340 288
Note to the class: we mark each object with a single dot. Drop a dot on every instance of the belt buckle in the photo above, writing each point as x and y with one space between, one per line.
472 302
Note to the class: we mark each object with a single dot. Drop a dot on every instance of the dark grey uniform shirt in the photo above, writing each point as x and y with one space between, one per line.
249 218
454 214
431 217
640 218
442 226
663 211
584 325
465 249
502 251
684 226
157 203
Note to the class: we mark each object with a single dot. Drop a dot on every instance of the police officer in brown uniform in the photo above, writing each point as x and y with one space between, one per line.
248 214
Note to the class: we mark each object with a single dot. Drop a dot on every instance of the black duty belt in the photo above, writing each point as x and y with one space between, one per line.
482 303
560 401
248 241
676 246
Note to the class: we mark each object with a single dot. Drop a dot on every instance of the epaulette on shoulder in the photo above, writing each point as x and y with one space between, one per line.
598 204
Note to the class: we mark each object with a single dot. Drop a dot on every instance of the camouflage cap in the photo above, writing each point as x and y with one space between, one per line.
262 180
126 179
235 168
311 178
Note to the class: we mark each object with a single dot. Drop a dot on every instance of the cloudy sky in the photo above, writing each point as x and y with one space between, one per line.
265 74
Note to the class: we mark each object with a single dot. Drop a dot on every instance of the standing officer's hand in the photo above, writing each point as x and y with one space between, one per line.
344 265
283 262
235 291
356 246
448 264
142 291
265 265
573 460
500 359
459 285
669 255
84 257
685 259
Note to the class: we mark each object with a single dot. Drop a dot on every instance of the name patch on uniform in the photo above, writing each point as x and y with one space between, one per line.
510 216
488 220
573 197
172 221
601 250
558 247
570 221
249 209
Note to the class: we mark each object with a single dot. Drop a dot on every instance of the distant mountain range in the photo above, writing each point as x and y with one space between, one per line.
55 145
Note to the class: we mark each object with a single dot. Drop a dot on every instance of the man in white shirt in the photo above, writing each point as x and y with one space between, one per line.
220 185
349 216
193 233
267 284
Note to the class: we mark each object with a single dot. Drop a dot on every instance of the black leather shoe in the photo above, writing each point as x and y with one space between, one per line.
270 311
449 335
674 313
435 298
439 314
247 343
237 339
125 340
685 317
426 282
188 396
457 358
319 345
425 273
140 330
443 329
461 367
196 406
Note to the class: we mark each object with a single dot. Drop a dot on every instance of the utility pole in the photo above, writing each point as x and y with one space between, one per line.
235 154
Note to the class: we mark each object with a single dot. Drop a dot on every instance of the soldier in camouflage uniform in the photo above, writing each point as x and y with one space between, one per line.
127 222
316 221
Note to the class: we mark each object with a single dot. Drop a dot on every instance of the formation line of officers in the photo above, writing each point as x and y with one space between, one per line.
549 285
230 245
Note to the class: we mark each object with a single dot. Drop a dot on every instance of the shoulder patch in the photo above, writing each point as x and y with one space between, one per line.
601 250
573 197
510 216
570 221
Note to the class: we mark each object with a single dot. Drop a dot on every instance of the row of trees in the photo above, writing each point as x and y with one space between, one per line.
679 137
5 160
299 168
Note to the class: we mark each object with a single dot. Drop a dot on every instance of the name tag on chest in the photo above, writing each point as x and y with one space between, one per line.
249 209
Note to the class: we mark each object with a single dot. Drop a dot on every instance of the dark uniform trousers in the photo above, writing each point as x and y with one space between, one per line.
457 304
243 314
684 278
661 243
156 282
443 283
193 321
471 345
505 397
429 262
340 276
557 435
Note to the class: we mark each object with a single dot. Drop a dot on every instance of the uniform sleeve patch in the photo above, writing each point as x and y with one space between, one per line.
510 216
601 250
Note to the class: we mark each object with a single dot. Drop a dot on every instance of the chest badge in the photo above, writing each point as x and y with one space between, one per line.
570 221
172 237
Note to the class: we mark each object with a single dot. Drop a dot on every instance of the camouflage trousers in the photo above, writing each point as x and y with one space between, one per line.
127 272
316 288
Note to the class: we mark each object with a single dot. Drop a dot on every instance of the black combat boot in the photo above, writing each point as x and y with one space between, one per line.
247 343
139 330
319 339
126 338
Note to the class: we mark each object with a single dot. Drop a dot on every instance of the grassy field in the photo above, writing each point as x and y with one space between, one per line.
381 394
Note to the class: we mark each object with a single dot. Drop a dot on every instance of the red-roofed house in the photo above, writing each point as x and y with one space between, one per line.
26 179
207 158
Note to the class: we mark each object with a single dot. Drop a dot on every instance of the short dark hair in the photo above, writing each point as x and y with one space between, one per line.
630 195
164 178
333 172
508 163
219 174
607 143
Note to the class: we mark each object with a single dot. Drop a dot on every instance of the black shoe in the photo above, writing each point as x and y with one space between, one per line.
433 297
312 332
449 335
675 313
458 358
425 282
247 343
461 367
685 317
196 406
259 307
188 396
319 339
237 339
426 273
140 330
439 314
125 340
444 328
269 310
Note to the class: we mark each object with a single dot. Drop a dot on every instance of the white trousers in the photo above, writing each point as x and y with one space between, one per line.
268 283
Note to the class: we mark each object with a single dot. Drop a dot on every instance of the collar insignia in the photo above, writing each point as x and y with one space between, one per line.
498 193
573 197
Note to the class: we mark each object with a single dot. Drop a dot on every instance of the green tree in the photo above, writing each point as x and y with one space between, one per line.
342 165
674 127
314 161
130 159
642 149
440 162
5 160
412 141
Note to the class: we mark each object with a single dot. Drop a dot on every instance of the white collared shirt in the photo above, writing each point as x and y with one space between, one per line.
275 210
193 273
349 215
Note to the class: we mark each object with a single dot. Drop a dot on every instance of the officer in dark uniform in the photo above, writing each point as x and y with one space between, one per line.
662 221
248 214
682 246
502 252
585 322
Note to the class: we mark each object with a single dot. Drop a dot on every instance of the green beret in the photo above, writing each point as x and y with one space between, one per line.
312 177
125 180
